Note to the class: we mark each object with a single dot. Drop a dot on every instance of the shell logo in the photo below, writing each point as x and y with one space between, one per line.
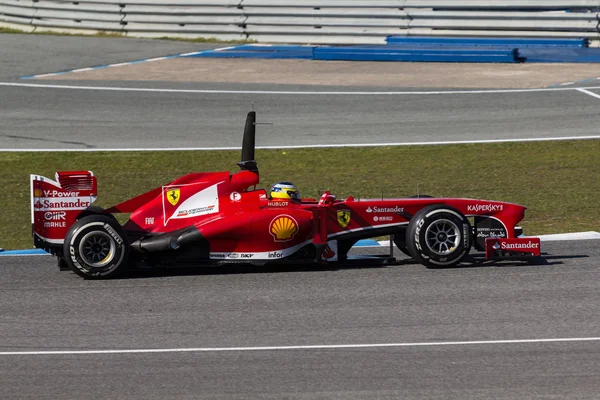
37 193
283 228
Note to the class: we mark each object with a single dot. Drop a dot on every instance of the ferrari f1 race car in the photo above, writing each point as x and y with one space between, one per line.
221 217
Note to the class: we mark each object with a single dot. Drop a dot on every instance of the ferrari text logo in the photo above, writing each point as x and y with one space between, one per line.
283 228
173 196
343 217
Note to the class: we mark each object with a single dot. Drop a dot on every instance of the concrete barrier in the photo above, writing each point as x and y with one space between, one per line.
310 21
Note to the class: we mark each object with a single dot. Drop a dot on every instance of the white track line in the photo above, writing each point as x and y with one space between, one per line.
287 92
315 146
119 64
307 347
588 93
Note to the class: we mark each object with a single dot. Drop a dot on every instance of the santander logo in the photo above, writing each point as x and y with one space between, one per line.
518 246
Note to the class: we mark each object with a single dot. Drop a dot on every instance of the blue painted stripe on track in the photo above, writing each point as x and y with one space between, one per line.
367 242
27 252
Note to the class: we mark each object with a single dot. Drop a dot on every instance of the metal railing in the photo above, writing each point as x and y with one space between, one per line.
308 21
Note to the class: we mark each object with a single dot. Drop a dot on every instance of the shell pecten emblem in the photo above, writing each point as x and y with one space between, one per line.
283 228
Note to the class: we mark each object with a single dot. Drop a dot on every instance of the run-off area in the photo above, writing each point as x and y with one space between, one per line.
458 333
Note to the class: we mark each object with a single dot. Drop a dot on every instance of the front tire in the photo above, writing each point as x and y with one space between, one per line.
438 236
96 247
400 237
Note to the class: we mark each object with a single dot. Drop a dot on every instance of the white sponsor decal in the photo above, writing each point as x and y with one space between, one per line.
204 202
54 224
485 207
235 196
263 255
58 193
383 219
278 203
149 221
417 232
73 257
385 209
55 215
194 211
114 234
499 233
518 246
231 256
52 204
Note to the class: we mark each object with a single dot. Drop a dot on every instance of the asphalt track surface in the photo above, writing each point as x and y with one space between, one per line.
24 55
62 118
35 117
43 309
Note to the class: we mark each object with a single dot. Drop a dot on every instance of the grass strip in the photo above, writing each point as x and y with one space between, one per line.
558 181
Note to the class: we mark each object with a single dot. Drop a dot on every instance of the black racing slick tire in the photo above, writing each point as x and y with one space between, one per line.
439 236
400 237
96 247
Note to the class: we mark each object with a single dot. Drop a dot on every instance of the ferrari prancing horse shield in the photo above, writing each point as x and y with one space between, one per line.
343 217
173 196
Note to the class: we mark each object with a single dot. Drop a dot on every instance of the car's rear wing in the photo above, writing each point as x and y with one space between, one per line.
56 204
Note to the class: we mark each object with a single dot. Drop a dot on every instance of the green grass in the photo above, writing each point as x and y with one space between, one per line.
10 30
115 34
558 181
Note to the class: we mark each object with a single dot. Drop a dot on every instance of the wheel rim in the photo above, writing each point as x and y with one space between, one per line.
97 249
442 237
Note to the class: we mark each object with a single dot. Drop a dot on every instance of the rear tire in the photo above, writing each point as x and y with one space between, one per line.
439 236
96 247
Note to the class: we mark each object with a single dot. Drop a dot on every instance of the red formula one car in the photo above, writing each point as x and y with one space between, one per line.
221 217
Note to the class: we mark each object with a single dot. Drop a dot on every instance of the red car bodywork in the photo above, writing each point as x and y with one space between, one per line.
238 221
218 217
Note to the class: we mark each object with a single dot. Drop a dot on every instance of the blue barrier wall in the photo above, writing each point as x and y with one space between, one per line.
366 53
485 42
415 55
428 49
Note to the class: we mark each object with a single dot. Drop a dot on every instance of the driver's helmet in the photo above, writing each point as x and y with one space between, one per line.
285 190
